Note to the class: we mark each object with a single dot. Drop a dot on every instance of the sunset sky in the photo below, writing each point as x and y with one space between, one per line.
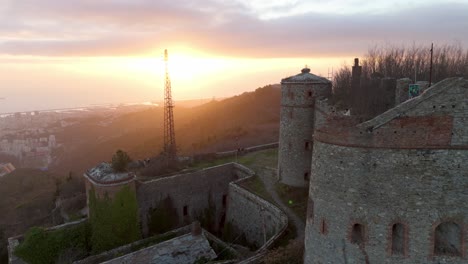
56 53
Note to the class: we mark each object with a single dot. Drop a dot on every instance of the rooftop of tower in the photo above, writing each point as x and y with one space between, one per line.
104 174
305 76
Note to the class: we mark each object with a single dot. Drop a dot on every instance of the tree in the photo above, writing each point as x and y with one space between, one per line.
120 161
3 247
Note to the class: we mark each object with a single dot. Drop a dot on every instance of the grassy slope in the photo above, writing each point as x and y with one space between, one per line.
252 118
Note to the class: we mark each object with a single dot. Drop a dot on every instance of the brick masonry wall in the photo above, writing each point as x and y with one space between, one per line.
190 189
253 216
436 119
378 187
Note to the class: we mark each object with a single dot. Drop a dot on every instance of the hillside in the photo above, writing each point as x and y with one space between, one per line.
247 119
26 198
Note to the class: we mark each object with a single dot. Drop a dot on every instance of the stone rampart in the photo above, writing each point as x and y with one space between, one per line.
436 119
392 189
232 153
189 193
377 188
258 220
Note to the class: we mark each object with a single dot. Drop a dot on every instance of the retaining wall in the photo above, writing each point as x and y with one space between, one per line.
190 191
259 220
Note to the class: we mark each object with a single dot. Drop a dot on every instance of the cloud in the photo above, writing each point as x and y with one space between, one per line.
228 28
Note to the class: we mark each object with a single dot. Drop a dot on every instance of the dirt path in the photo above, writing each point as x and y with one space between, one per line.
268 176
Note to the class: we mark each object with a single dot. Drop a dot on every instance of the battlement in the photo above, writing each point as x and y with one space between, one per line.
438 118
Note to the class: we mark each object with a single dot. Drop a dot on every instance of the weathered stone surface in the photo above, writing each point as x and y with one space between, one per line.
406 166
298 96
253 216
179 250
191 190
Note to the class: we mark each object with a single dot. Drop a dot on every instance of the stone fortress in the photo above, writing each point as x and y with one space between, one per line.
392 189
389 189
217 189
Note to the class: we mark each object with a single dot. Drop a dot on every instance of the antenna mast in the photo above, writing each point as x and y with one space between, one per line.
430 68
170 149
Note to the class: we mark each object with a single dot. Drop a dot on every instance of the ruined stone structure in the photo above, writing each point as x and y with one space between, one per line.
298 96
392 189
214 191
107 183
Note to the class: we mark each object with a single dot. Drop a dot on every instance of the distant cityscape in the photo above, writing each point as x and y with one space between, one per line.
30 137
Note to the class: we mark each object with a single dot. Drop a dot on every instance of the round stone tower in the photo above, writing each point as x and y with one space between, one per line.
393 189
298 95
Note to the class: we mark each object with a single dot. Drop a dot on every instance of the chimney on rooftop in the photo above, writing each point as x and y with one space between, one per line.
196 228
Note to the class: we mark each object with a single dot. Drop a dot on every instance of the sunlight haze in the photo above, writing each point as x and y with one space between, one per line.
59 54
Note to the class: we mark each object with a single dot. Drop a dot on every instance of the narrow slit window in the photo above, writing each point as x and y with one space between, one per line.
357 234
185 210
398 239
323 227
224 200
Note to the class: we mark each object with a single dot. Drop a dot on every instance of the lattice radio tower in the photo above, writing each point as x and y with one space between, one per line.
170 149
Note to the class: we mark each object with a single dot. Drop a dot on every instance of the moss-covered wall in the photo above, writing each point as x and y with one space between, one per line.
114 221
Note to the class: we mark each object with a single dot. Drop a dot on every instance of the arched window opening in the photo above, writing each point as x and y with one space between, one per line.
398 239
357 234
448 239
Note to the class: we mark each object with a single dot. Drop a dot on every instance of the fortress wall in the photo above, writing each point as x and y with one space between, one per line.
254 217
232 153
436 119
191 190
419 188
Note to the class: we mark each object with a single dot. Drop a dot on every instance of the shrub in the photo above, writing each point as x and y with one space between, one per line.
44 247
120 161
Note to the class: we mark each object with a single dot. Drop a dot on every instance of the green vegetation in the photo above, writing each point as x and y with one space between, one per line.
266 158
3 247
120 161
207 217
114 222
255 185
295 198
44 247
162 218
223 253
